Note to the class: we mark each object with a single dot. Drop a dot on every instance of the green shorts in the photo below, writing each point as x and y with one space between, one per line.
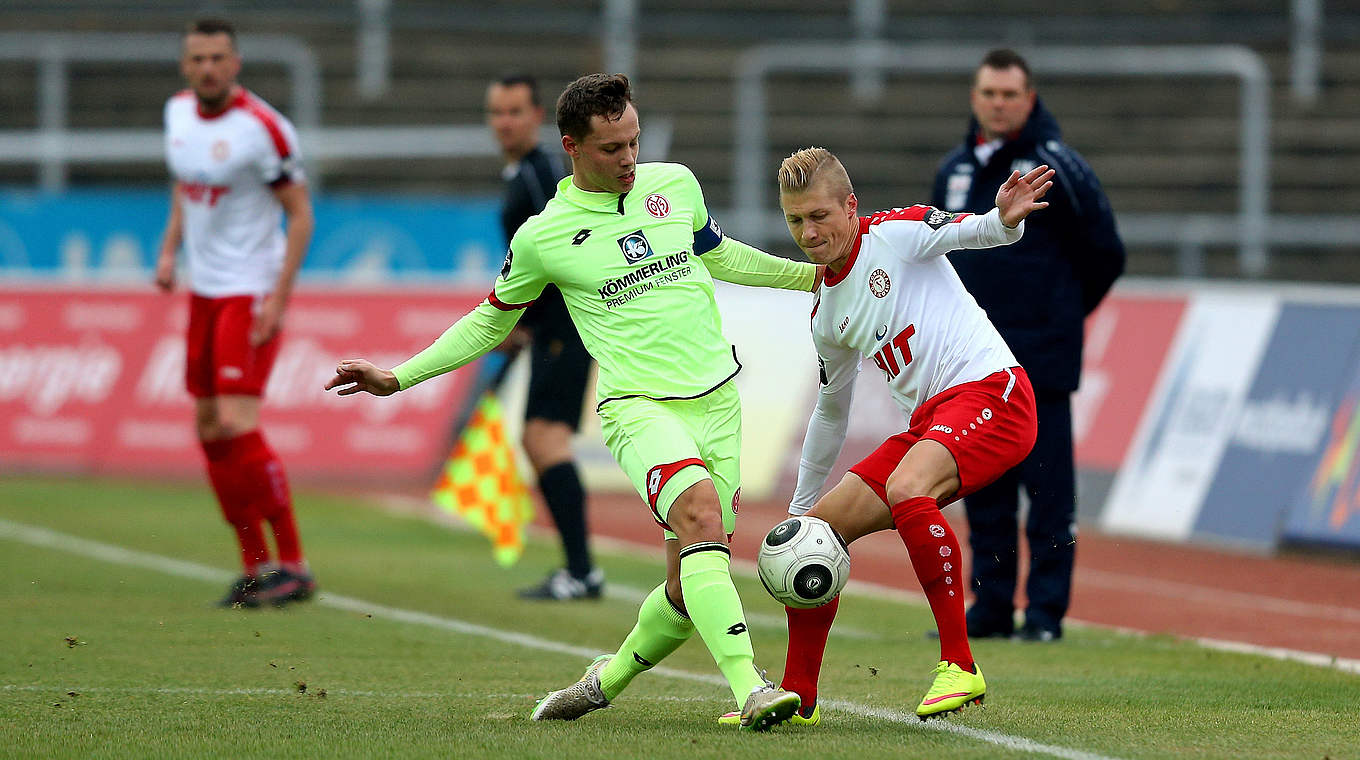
665 447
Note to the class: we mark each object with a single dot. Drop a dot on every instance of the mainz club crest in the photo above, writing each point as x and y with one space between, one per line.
879 284
658 206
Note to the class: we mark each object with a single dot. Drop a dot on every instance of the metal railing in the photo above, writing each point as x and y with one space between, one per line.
752 179
53 146
54 51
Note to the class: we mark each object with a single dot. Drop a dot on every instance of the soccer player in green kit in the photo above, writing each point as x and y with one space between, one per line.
635 254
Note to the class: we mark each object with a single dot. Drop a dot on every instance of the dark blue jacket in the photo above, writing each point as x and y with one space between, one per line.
1038 290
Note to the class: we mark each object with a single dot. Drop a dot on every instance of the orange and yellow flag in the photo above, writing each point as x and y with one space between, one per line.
481 484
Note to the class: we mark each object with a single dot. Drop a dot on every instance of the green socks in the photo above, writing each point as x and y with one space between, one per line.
660 630
715 608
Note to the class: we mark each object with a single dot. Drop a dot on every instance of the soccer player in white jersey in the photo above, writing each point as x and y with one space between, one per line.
236 171
892 297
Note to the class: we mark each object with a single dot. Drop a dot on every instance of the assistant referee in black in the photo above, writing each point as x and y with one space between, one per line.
560 364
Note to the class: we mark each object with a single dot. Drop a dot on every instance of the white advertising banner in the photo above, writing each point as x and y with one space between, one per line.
1192 415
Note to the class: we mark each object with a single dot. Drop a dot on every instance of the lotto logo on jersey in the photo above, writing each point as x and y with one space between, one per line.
635 247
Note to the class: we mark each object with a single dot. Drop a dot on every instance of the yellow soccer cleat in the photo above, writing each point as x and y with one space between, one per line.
797 719
954 687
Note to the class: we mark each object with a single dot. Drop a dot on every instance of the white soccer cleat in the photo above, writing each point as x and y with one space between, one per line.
586 695
767 707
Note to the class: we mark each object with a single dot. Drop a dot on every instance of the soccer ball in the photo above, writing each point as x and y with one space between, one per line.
803 562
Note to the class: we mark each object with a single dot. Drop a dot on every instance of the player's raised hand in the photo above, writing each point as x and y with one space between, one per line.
354 375
1019 195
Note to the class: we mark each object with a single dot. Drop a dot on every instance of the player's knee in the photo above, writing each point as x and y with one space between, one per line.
529 441
206 429
231 424
697 518
229 427
546 443
908 486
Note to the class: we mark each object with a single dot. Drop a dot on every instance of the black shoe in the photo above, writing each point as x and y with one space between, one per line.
279 587
982 626
1035 632
561 585
244 592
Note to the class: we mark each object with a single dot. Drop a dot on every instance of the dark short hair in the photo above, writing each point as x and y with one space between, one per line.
606 95
1005 58
212 26
516 79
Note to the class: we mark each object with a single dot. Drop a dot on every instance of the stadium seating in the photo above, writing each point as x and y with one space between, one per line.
1158 144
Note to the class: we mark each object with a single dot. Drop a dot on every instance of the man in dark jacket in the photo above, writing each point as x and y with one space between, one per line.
560 363
1037 292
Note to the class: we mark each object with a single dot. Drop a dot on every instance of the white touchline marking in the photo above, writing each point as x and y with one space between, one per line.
45 538
1279 653
79 691
420 508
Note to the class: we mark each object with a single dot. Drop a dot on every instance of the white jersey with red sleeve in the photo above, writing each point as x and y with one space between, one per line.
225 166
898 303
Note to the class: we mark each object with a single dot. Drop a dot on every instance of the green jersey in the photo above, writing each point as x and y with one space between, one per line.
636 271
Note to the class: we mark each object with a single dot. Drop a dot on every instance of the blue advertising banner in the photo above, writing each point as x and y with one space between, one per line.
1326 509
1282 427
114 235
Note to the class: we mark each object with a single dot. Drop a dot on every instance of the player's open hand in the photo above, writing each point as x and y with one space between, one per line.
1019 195
354 375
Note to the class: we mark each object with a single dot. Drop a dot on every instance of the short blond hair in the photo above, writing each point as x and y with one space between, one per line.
804 167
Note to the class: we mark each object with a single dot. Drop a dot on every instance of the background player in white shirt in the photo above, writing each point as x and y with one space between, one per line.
237 175
891 296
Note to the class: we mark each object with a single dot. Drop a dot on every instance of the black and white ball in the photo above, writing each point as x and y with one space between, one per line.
803 562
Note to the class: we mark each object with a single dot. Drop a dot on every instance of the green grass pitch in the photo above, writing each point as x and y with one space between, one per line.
418 648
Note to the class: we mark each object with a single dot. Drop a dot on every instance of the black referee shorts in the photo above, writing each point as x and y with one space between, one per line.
559 363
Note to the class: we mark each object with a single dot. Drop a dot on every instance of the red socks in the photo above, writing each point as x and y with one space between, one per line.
251 485
934 552
808 630
935 556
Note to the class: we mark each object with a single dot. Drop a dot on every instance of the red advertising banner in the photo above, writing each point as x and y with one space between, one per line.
1127 341
94 382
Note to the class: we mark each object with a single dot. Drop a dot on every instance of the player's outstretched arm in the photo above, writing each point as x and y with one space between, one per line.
355 375
1019 195
478 332
736 262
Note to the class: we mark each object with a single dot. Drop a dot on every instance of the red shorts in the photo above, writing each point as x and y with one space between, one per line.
988 425
219 360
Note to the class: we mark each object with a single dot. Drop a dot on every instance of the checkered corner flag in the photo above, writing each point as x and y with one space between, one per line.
478 482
